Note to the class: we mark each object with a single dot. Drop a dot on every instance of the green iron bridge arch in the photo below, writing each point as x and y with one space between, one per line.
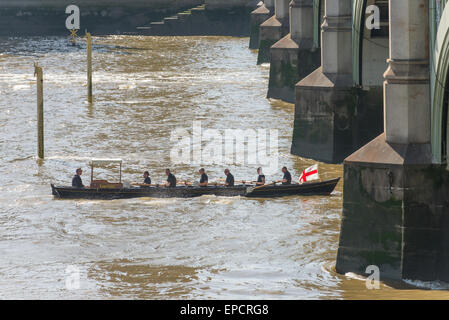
439 56
358 15
361 37
318 13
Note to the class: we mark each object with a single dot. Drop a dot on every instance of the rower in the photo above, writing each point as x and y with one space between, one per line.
287 180
204 180
229 178
171 179
260 178
147 179
76 181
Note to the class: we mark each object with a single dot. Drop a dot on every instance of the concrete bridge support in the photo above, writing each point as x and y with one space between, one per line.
325 99
294 56
395 207
259 16
335 115
273 29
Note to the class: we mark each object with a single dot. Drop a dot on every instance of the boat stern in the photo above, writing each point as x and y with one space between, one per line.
54 191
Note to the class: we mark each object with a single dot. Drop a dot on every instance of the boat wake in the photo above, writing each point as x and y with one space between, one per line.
428 285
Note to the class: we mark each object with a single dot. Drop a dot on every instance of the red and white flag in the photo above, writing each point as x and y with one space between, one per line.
309 174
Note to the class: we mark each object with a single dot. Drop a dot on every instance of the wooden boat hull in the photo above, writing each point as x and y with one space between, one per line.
323 188
309 189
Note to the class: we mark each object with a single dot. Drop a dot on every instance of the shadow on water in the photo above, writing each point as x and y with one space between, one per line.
139 280
46 45
354 287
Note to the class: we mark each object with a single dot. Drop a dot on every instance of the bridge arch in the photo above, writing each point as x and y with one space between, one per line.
439 79
369 47
318 15
358 15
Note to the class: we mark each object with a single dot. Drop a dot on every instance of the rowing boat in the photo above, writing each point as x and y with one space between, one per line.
250 191
104 190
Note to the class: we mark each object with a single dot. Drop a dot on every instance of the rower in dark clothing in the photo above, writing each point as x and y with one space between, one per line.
146 176
229 178
260 178
204 180
287 180
171 179
76 181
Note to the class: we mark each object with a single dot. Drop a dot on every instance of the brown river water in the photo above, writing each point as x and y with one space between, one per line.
207 247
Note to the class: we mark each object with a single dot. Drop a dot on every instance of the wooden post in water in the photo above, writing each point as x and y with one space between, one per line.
40 110
73 36
89 67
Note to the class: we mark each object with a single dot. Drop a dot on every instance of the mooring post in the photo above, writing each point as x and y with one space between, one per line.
73 36
40 110
89 67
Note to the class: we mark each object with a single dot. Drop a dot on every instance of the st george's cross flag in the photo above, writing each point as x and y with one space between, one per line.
309 174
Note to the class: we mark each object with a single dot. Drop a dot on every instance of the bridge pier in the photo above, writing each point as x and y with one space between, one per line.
325 98
333 115
259 16
395 208
294 56
273 30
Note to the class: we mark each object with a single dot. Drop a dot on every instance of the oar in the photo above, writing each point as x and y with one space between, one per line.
246 181
216 184
242 181
143 184
269 184
224 184
249 190
147 185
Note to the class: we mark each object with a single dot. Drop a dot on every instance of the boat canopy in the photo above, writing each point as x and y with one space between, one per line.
101 162
104 162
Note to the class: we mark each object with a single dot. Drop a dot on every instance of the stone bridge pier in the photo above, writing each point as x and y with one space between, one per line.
294 56
259 16
273 29
396 203
324 97
335 115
